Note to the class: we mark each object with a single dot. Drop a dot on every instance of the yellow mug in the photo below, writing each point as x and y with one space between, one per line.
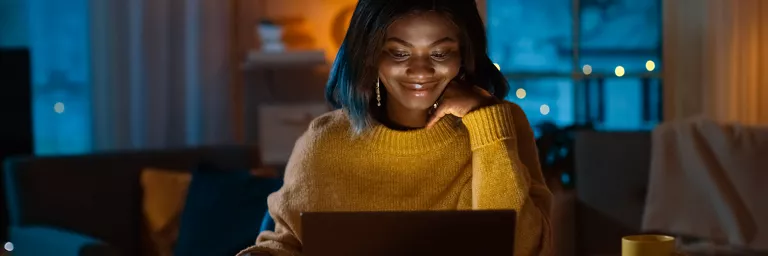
648 245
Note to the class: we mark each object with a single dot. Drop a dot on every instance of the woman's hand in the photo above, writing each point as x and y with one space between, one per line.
458 100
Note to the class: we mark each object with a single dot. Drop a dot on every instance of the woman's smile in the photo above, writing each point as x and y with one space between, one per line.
419 89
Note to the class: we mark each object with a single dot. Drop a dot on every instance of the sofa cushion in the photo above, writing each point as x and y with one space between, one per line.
39 240
223 212
164 194
99 195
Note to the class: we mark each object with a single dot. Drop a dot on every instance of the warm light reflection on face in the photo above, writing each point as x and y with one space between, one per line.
421 55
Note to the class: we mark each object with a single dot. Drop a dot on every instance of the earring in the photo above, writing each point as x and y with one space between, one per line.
378 94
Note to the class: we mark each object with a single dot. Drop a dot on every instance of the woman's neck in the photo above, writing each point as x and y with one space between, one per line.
405 119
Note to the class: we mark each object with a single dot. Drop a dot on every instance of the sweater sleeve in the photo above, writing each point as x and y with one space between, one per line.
506 173
285 206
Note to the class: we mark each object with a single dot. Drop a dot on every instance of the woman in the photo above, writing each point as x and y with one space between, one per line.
420 125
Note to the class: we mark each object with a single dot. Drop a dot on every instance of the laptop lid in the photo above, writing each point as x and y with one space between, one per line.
409 233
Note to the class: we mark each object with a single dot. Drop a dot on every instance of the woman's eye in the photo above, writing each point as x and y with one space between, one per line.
399 55
440 55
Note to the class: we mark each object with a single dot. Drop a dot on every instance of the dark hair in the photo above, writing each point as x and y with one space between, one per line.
355 71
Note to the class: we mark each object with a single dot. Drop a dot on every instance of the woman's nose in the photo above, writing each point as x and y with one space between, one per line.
420 69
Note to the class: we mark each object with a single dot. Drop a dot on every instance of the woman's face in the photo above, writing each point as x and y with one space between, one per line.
419 58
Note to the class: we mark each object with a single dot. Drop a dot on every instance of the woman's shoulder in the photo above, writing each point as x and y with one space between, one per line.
330 126
332 122
503 108
326 133
328 120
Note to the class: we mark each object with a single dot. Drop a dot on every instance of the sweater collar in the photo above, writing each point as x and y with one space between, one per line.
384 139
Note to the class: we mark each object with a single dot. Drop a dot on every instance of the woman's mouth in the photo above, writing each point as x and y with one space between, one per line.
418 89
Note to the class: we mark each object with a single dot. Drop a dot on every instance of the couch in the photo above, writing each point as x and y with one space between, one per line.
70 203
91 204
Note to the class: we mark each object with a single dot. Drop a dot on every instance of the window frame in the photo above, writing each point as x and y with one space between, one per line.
584 113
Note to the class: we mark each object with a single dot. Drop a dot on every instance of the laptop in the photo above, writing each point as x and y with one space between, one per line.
408 233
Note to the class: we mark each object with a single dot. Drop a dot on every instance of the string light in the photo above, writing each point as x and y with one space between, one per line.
650 65
520 93
619 71
544 109
58 107
8 246
497 66
587 69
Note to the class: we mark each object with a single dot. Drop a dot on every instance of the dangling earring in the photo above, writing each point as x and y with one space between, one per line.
378 94
434 108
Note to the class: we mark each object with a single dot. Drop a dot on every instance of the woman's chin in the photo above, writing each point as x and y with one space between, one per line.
420 107
417 104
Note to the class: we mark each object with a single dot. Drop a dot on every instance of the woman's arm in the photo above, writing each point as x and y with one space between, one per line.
283 240
285 206
507 174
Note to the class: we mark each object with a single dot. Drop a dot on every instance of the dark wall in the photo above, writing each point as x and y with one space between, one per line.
15 115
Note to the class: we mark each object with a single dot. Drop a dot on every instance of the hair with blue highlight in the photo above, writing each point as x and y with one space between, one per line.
351 84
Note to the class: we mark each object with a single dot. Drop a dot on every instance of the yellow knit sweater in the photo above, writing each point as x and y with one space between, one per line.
489 162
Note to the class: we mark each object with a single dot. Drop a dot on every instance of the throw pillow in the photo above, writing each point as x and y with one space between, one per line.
223 211
165 192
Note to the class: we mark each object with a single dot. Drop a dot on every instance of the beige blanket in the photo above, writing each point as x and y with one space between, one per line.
710 181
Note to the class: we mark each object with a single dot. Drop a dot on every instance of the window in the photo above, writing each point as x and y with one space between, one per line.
58 39
598 66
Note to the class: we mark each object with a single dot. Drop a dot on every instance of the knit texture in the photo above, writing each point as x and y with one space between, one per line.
487 160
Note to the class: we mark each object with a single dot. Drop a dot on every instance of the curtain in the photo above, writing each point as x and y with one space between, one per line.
736 71
715 57
160 73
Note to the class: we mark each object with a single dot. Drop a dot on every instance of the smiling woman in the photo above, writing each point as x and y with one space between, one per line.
421 56
420 125
433 40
